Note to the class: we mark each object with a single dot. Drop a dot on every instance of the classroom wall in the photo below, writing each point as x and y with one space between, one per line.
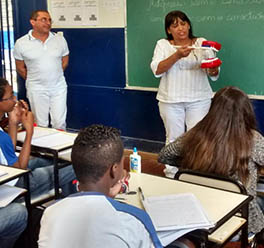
96 81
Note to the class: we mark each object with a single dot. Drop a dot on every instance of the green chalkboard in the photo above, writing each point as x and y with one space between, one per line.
237 24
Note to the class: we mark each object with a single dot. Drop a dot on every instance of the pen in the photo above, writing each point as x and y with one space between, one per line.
141 194
120 198
131 193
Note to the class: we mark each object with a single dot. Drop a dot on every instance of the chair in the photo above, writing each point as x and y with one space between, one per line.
211 180
238 222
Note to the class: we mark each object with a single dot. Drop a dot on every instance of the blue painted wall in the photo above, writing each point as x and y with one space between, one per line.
21 13
96 81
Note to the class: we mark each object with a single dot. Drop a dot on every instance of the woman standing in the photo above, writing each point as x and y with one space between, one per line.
184 92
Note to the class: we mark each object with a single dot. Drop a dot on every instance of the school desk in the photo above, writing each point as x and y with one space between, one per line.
227 223
14 173
221 206
50 142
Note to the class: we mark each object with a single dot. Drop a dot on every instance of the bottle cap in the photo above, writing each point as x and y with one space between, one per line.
135 150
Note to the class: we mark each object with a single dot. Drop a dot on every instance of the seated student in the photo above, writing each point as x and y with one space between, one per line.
91 218
13 219
41 179
224 142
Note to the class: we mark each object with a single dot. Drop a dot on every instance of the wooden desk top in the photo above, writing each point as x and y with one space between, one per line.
49 138
11 173
217 203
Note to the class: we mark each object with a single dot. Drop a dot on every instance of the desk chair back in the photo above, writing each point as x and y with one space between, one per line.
210 180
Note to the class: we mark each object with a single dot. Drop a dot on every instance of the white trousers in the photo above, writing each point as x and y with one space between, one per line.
179 117
49 102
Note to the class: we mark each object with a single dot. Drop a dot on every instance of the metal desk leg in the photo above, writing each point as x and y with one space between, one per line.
56 176
244 234
28 206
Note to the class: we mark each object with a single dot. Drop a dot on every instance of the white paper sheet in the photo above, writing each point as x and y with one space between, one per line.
2 173
176 212
38 132
167 237
75 12
88 13
8 194
48 137
53 140
12 183
66 154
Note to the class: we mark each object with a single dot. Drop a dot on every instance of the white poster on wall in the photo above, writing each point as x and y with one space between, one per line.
87 13
113 5
74 12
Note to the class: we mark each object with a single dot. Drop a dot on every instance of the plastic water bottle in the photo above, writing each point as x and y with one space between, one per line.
135 161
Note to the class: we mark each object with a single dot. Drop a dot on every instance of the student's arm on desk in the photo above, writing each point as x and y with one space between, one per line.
27 120
170 154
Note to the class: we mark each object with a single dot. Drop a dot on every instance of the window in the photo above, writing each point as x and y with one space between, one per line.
7 43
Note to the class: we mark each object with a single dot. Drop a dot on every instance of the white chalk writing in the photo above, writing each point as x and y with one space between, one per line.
165 4
248 16
241 2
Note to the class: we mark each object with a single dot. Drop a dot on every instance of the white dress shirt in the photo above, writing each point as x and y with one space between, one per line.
185 81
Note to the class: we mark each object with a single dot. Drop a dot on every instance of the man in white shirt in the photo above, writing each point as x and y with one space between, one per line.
41 57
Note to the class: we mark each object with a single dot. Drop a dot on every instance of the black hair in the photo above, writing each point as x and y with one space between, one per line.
3 84
34 14
171 17
96 148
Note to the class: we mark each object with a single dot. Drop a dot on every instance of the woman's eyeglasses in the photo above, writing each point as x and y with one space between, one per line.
7 99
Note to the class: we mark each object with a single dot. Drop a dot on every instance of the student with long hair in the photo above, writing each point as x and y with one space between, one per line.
224 142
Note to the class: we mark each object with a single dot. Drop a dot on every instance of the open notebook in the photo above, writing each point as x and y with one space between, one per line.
176 215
